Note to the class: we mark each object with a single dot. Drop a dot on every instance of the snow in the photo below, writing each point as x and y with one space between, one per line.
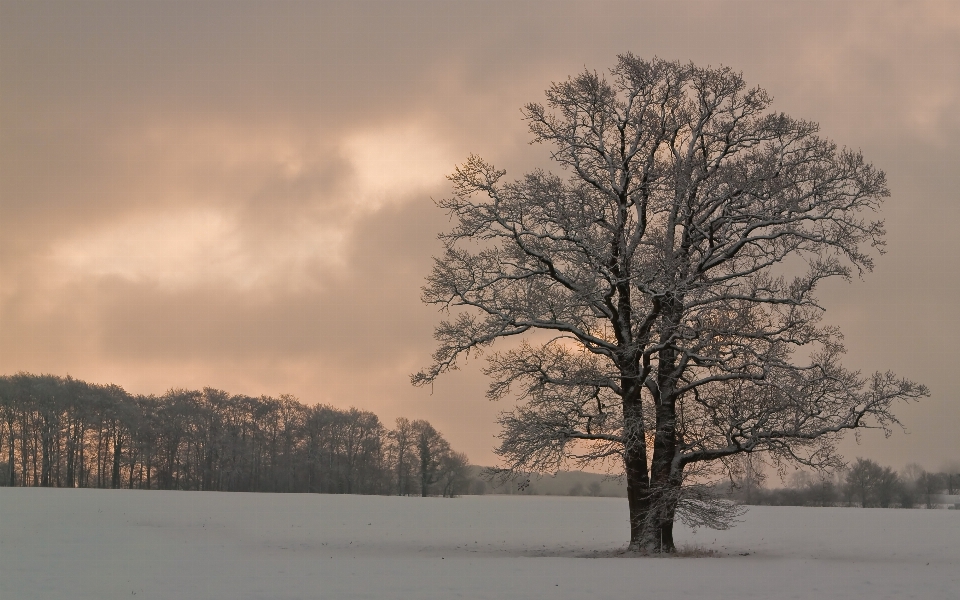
102 544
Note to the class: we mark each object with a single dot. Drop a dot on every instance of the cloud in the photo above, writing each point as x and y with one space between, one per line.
244 207
203 247
242 197
394 163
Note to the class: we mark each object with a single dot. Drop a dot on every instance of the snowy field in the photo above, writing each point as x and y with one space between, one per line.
102 544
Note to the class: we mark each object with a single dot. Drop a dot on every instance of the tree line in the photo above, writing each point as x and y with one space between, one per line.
864 483
64 432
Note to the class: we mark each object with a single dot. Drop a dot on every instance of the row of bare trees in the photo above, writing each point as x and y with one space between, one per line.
63 432
863 483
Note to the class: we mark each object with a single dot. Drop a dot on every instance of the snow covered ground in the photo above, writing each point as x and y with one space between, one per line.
101 544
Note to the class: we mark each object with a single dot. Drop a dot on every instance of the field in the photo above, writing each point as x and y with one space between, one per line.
102 544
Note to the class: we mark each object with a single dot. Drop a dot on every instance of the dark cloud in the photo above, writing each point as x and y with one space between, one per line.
238 195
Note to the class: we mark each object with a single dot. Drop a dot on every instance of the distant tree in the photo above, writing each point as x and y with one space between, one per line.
907 495
950 473
873 484
826 492
431 449
912 472
929 485
863 479
817 488
119 418
746 477
478 487
402 448
9 411
887 486
362 446
453 473
655 273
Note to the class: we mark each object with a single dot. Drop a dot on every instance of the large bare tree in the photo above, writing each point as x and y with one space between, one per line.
664 290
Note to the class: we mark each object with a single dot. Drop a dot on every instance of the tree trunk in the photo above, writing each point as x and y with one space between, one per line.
117 451
424 460
23 450
12 475
635 457
45 453
35 446
133 460
81 460
71 454
664 484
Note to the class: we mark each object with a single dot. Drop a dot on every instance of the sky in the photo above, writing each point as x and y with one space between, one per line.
241 195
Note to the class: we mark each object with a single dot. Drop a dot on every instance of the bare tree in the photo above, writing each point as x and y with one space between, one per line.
952 479
673 275
746 476
929 485
401 449
453 473
431 449
864 478
888 486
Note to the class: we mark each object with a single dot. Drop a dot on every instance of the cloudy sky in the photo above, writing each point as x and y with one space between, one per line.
240 195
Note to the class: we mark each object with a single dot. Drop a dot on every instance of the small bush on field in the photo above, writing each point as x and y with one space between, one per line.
683 551
695 551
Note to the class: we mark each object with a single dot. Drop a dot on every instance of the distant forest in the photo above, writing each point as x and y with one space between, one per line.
864 483
64 432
